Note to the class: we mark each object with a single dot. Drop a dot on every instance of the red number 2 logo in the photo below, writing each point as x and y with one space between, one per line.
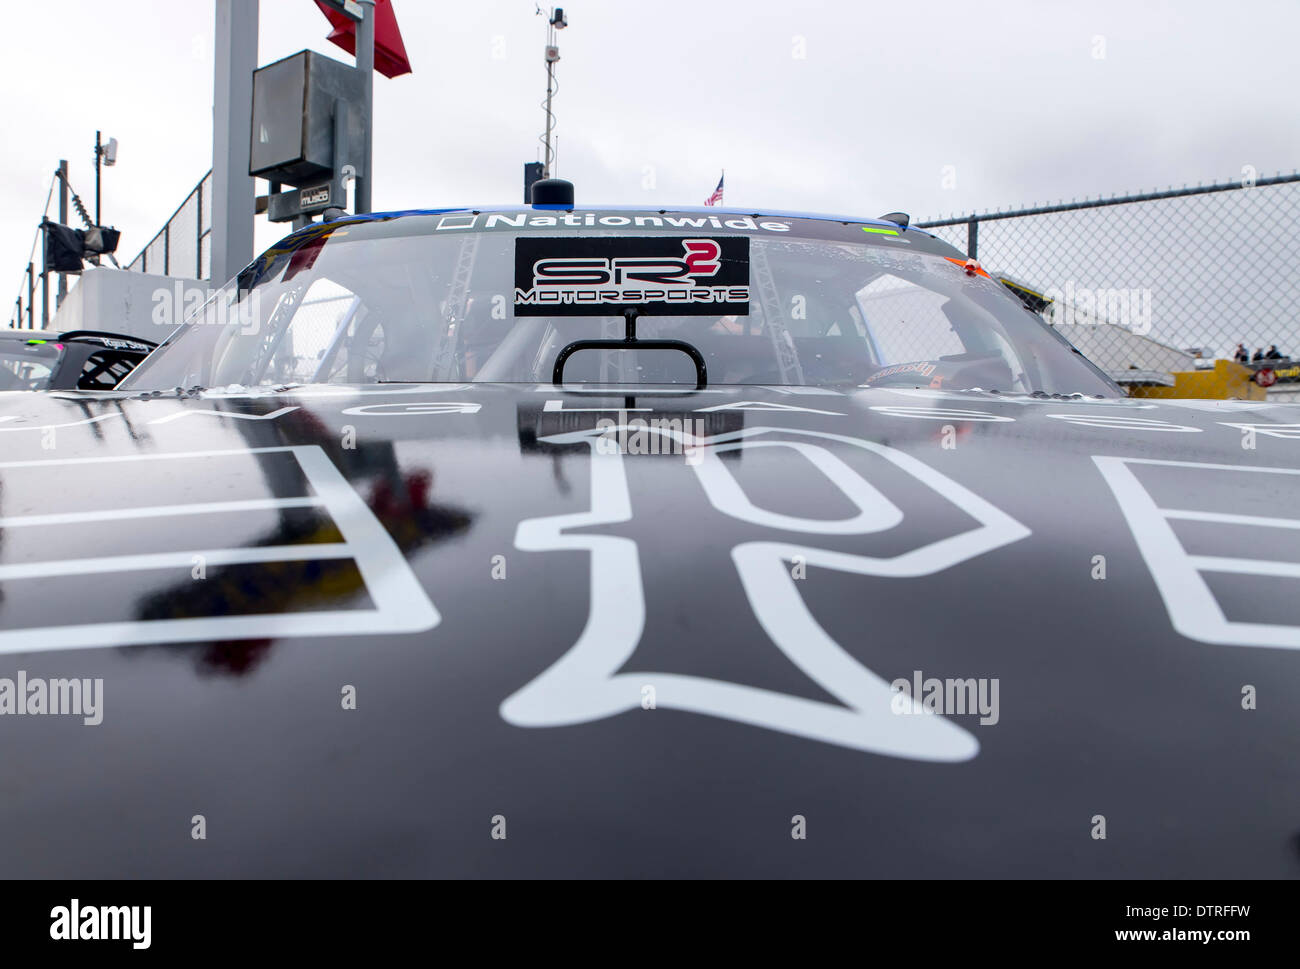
702 256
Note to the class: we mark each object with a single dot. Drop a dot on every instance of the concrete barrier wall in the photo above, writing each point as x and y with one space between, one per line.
137 304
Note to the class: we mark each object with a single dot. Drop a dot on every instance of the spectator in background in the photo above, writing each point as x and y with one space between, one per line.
1273 353
1259 354
1242 355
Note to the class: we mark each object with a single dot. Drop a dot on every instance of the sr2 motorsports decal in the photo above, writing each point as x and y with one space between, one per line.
603 275
306 484
585 684
1224 553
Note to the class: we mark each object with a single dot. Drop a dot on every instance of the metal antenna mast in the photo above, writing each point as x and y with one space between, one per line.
556 22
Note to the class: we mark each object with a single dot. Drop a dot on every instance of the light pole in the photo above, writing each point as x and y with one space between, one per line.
557 22
107 154
63 220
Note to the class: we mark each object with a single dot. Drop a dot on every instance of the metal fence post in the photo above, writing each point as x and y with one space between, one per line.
31 297
198 234
63 220
973 238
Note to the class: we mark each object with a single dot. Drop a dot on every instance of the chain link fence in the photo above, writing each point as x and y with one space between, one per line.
182 246
1148 283
1152 282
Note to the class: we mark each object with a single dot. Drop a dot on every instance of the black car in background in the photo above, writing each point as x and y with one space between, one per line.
68 360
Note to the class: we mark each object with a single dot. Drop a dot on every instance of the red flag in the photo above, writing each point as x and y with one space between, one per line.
390 52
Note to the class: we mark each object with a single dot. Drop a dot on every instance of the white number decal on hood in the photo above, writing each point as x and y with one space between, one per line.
585 683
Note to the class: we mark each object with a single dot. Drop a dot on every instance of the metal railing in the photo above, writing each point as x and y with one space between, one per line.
182 247
1156 279
24 316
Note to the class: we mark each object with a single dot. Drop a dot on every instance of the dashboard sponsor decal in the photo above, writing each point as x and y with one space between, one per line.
767 406
414 408
940 413
328 391
1123 422
1019 400
586 684
922 368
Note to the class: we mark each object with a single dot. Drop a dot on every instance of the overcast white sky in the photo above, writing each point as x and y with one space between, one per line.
1028 101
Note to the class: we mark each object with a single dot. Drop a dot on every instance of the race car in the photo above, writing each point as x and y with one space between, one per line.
67 360
567 541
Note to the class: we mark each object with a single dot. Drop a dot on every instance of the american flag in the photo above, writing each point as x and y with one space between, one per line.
716 197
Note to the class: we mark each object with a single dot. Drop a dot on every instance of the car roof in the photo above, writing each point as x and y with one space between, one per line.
65 336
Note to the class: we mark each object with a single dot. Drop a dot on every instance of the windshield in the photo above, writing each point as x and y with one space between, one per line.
27 366
497 296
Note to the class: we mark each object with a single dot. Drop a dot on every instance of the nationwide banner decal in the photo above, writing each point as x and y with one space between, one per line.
658 275
922 368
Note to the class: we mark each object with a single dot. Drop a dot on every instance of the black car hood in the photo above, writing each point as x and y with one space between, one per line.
370 632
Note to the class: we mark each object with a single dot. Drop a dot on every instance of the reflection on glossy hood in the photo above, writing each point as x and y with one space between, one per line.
648 626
